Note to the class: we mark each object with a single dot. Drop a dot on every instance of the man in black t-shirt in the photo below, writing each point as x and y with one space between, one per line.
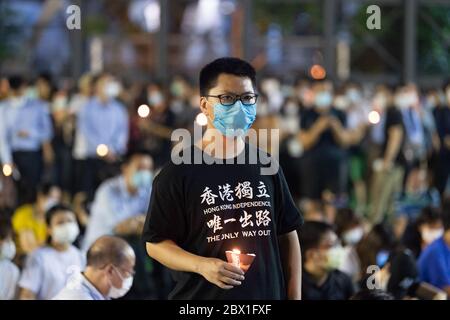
199 211
322 255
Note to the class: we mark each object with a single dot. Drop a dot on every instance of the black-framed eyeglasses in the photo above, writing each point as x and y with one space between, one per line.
247 99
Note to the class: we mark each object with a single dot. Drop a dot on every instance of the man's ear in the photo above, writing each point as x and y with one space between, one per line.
205 106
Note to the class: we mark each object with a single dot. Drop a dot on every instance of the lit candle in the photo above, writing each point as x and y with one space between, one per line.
235 257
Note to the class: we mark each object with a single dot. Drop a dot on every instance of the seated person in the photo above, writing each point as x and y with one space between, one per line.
423 230
121 202
108 274
322 255
434 261
29 220
48 268
9 273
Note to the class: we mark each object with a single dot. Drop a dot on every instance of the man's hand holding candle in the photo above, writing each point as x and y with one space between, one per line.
222 274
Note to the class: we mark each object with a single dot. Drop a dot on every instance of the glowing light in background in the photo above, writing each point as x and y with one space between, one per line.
201 119
143 111
374 117
102 150
7 170
317 72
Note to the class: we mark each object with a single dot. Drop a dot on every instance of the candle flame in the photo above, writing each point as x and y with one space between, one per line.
237 251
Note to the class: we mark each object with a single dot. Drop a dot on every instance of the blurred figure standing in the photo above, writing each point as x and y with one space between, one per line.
388 169
442 118
103 122
324 137
28 133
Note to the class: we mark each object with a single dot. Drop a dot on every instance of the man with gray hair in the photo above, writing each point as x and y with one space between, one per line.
109 272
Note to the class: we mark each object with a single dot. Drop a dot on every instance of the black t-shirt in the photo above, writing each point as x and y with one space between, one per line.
210 208
393 118
326 139
337 286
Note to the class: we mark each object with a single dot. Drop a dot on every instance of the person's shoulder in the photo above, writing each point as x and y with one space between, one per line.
69 293
110 184
118 105
171 172
23 212
9 268
432 251
40 253
340 276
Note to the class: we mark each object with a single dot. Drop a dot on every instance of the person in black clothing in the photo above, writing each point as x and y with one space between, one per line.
324 137
200 210
321 256
388 169
442 118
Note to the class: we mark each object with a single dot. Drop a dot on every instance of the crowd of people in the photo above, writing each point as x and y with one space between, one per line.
367 165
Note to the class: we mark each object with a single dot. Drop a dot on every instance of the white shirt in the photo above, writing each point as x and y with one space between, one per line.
47 270
79 287
9 276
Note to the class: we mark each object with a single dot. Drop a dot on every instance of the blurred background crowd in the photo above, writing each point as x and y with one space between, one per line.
86 124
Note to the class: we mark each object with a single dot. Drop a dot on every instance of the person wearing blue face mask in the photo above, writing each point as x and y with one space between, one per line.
121 202
202 209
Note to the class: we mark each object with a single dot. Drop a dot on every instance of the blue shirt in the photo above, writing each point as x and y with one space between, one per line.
434 264
104 124
113 204
31 116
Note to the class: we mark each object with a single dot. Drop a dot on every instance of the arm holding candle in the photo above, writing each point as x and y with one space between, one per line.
291 259
216 271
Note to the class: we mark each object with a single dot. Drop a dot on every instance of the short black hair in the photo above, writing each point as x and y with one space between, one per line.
227 65
54 210
16 81
311 233
428 215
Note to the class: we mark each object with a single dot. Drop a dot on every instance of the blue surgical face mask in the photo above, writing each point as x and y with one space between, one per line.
382 257
142 179
323 99
234 120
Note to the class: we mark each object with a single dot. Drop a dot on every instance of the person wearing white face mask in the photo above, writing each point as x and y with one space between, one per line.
48 268
103 122
121 202
350 229
423 230
9 272
322 255
109 272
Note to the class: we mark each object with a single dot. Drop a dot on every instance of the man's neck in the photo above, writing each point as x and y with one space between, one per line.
319 276
96 279
60 247
220 146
